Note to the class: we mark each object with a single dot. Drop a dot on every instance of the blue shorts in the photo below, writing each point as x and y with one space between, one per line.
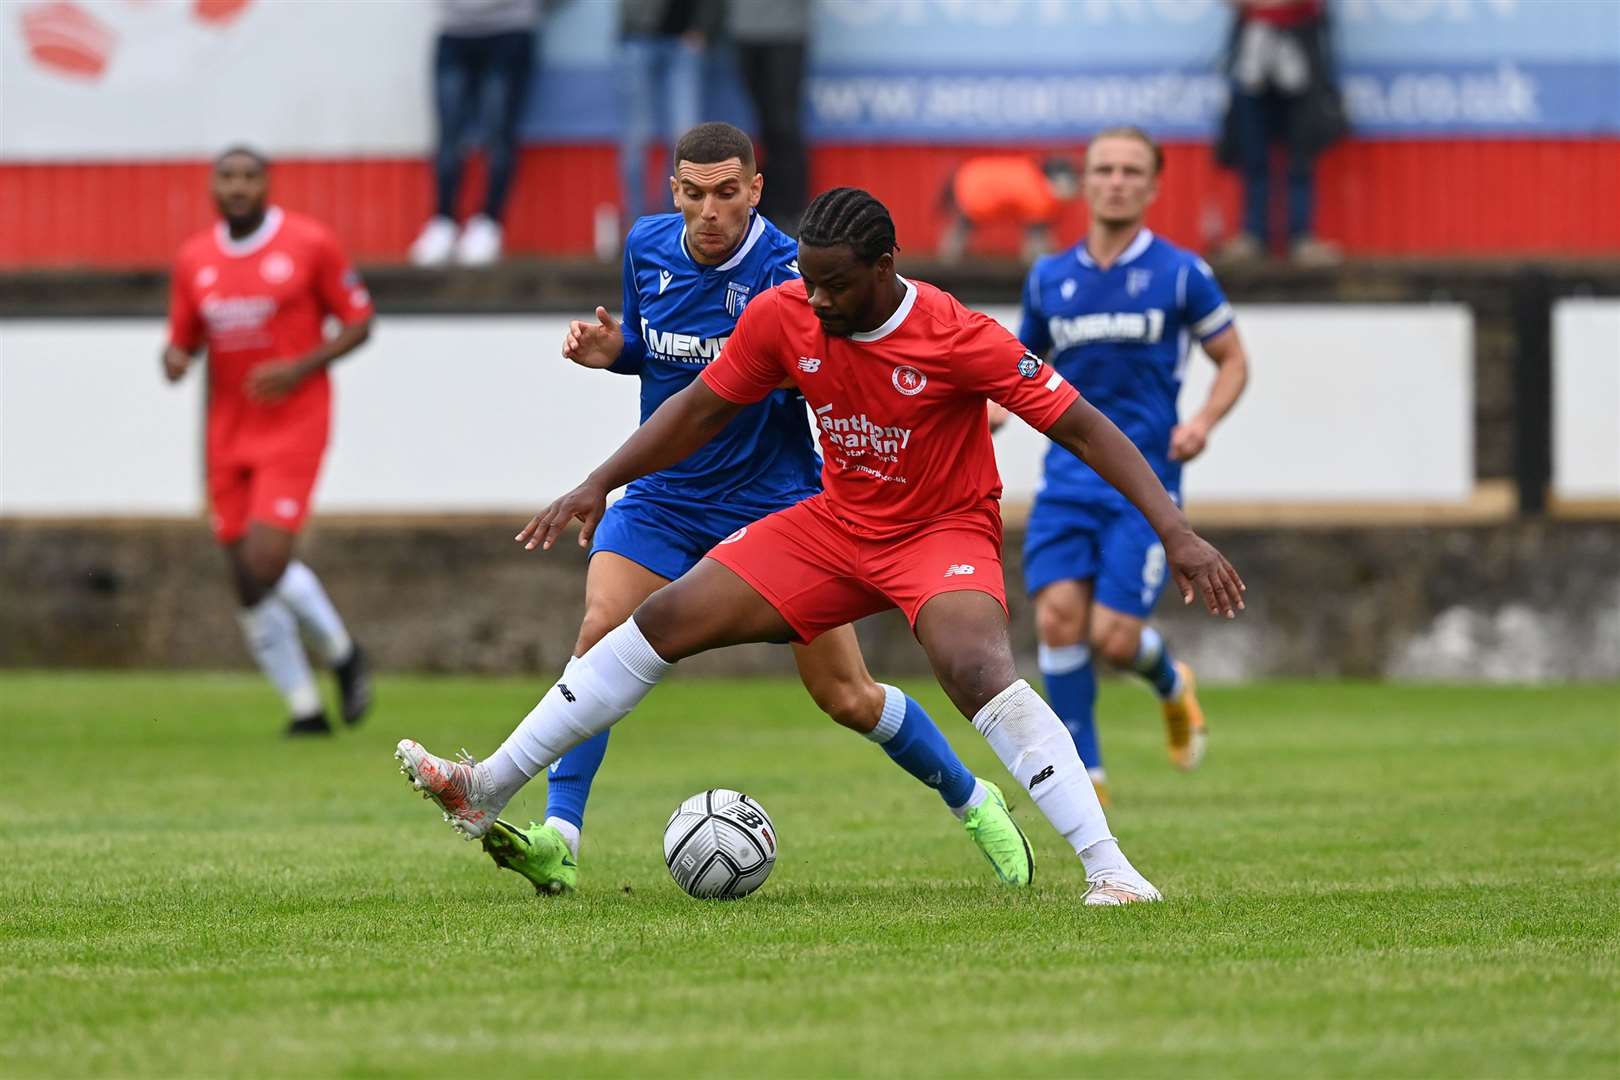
1110 544
668 538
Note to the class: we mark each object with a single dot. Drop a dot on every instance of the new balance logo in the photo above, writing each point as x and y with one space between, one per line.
959 570
1044 774
568 695
811 364
664 278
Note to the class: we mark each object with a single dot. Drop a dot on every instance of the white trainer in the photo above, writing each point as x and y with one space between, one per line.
460 789
1111 892
480 243
435 243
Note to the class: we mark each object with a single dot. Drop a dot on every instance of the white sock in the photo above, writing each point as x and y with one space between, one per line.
570 834
596 692
1032 742
301 591
272 637
980 793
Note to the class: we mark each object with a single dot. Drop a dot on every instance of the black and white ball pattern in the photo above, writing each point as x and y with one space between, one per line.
720 845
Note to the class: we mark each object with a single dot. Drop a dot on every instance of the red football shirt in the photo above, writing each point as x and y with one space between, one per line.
263 297
901 408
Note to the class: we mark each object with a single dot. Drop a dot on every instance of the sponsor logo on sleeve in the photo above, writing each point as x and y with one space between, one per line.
1029 365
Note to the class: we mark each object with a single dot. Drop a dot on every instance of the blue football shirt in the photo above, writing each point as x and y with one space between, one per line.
1121 336
678 314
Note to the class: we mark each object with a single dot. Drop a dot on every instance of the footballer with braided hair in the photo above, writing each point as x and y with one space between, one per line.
897 375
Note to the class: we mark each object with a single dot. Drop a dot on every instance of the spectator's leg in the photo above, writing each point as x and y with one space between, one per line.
508 79
683 75
1254 138
638 110
778 91
455 99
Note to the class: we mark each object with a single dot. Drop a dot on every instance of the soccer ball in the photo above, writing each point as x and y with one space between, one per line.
719 845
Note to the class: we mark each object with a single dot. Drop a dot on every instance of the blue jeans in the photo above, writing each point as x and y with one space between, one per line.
1263 120
654 70
480 82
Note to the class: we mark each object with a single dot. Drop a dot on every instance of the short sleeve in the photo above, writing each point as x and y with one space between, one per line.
999 366
750 365
341 291
1203 306
185 321
1032 327
633 356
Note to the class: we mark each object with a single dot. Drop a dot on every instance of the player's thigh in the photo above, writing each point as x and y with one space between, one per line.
834 671
964 634
614 587
708 607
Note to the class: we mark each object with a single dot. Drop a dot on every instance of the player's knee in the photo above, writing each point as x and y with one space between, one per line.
857 706
594 627
1117 643
1058 622
973 675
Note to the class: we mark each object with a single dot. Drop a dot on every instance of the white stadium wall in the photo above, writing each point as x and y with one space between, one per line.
1586 400
1351 404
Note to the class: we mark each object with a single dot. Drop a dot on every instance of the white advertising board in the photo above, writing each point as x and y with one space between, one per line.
462 414
1586 399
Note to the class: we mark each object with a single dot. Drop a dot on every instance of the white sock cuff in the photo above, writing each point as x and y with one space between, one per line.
635 653
987 719
1149 649
1062 659
894 714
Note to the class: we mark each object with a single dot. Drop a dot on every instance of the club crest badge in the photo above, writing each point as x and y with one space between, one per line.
736 298
908 380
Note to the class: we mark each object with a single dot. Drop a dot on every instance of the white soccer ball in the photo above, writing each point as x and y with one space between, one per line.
720 845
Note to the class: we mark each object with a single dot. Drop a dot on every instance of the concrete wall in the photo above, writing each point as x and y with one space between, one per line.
1521 601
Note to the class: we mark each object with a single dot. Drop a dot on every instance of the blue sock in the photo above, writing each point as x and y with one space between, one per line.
569 783
914 742
1071 689
1155 664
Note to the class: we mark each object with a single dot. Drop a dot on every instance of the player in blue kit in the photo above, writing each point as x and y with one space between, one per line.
1115 315
687 277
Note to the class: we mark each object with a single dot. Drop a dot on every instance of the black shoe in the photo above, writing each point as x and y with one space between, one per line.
308 725
354 682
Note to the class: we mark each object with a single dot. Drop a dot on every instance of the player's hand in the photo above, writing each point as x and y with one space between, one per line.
176 362
594 344
588 503
270 383
998 416
1188 439
1201 570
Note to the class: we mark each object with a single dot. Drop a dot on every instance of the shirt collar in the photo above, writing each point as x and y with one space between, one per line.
254 240
892 323
1134 251
756 229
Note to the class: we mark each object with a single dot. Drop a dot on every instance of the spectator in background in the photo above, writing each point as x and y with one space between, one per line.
1007 188
772 38
482 65
1284 90
661 47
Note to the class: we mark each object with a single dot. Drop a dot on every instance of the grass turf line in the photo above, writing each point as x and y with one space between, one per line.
1363 881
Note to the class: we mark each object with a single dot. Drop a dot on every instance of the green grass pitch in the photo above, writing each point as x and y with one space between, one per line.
1362 881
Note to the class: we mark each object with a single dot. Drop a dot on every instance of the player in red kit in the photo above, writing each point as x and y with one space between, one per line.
255 291
897 374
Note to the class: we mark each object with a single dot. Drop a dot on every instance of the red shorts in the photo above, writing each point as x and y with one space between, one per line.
275 492
818 576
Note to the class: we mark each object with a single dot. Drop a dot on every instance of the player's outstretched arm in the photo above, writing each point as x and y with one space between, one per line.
1197 566
677 429
594 344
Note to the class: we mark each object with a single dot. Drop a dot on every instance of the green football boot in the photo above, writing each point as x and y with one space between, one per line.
999 837
539 853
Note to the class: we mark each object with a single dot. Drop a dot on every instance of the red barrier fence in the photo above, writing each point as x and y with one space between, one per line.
1441 198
